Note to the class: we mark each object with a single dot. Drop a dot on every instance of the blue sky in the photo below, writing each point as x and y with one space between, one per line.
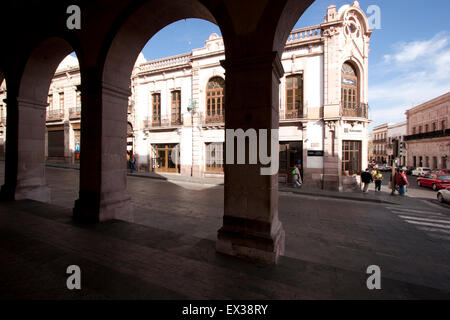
409 58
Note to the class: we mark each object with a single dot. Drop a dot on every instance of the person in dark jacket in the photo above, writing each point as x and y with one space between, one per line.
132 163
366 179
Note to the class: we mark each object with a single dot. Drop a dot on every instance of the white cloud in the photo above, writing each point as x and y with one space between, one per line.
413 73
409 52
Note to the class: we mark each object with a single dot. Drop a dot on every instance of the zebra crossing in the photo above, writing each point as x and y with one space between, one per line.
435 224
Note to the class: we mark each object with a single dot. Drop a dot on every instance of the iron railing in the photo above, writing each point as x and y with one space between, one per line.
164 122
360 110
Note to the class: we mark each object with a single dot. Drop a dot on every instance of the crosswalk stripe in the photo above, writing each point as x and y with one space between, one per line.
434 230
436 215
413 210
428 224
425 219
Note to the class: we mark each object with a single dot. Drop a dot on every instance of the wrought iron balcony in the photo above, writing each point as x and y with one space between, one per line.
293 115
55 114
360 110
428 135
165 122
74 113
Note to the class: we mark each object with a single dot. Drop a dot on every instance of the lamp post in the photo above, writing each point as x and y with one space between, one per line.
192 108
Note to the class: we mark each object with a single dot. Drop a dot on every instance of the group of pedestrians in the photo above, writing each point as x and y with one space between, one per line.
398 181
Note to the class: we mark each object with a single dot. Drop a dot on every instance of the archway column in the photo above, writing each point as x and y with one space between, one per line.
103 195
25 151
251 228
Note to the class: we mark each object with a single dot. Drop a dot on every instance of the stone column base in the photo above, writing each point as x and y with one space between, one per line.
231 240
38 193
92 210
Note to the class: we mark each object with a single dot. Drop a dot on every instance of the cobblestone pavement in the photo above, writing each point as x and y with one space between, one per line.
329 245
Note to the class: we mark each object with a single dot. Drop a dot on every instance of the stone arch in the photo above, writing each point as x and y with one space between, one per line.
26 138
40 68
291 12
131 34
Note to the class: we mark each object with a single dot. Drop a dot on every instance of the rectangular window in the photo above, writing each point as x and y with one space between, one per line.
50 102
78 102
434 126
156 108
427 162
61 102
443 163
215 156
294 96
351 156
435 163
415 161
176 107
443 125
414 130
420 129
426 128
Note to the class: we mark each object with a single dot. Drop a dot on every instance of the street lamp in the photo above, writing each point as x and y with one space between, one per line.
192 108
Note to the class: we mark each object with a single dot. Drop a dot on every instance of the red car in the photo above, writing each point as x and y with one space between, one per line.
434 181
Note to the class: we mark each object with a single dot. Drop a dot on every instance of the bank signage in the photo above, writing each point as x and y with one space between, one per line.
349 82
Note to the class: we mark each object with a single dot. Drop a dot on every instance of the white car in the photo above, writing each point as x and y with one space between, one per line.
443 195
420 171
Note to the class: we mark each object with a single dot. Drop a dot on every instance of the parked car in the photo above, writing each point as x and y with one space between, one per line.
444 195
441 171
408 170
420 171
434 181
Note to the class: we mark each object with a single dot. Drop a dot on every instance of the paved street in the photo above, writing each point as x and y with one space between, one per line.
411 243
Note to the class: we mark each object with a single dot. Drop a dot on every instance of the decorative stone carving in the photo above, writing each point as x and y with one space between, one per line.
330 32
352 26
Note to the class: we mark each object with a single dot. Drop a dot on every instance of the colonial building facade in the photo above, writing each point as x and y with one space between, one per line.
178 106
176 114
396 144
380 143
429 133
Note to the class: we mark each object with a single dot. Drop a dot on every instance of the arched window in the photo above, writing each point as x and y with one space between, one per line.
215 106
350 96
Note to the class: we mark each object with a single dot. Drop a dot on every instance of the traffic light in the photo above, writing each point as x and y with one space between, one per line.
400 148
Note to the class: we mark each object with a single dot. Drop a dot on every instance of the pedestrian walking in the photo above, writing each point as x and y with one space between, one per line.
132 163
393 182
378 180
402 182
366 179
297 177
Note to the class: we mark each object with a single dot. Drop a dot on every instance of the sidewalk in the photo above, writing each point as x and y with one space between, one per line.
376 197
151 175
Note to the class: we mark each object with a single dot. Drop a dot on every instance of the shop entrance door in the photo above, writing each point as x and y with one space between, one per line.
166 158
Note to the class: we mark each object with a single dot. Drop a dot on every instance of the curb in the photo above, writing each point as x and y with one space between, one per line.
140 175
339 197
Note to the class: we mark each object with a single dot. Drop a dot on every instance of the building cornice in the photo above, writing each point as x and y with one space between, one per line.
429 104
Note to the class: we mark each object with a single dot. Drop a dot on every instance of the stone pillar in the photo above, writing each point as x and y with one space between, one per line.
251 228
331 175
25 179
103 193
